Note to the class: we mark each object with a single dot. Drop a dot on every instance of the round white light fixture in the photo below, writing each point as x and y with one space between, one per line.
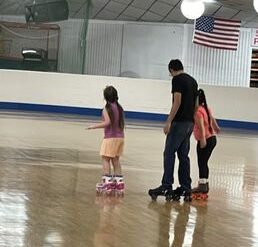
192 9
256 5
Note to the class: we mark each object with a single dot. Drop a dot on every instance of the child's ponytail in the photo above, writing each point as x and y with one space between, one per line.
203 102
121 116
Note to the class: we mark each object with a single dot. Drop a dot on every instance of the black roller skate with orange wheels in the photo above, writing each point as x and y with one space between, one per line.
201 191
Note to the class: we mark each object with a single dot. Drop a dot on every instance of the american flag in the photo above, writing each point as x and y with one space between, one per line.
216 32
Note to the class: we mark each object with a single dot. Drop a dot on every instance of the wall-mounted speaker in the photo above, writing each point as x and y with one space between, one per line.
46 11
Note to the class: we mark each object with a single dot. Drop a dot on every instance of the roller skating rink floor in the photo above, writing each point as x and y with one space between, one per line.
49 166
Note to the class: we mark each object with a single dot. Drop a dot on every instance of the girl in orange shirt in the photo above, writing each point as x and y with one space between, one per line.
205 130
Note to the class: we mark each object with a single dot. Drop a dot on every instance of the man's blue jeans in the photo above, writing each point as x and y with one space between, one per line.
178 141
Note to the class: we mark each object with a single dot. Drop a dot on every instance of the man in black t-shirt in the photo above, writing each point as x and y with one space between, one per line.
178 129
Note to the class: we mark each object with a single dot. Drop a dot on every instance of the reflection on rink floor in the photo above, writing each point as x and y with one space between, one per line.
49 166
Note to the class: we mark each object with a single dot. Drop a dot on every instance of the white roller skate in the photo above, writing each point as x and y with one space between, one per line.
119 185
106 186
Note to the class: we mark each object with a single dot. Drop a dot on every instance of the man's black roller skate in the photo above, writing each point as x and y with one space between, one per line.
187 195
160 191
177 193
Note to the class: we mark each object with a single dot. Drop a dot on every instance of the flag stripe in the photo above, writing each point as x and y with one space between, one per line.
228 24
226 20
235 34
218 36
208 44
217 33
227 29
215 41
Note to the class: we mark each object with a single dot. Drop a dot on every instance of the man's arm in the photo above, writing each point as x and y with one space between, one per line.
174 109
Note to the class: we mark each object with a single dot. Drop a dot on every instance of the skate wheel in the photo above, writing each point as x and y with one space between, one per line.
98 189
188 199
120 193
199 196
168 198
176 198
153 197
204 197
108 192
194 197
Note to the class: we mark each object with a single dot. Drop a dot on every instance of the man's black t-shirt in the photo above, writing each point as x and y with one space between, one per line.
187 86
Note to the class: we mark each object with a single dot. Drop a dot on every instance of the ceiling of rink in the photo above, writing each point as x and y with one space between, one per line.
146 10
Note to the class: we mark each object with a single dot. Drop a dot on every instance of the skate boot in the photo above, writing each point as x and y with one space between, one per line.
201 191
160 191
187 195
179 192
119 185
105 187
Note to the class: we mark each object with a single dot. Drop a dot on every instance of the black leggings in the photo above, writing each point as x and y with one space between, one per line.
203 155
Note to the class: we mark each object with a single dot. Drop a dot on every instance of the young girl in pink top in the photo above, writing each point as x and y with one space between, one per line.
112 144
205 129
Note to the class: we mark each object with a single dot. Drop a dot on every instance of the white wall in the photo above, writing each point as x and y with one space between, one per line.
104 48
216 66
148 47
143 50
152 96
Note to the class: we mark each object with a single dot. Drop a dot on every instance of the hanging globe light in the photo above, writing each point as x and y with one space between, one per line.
193 9
256 5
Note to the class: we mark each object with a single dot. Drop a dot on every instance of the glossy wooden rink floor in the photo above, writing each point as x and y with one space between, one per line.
49 166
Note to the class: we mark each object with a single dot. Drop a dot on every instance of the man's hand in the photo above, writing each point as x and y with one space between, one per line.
166 127
176 102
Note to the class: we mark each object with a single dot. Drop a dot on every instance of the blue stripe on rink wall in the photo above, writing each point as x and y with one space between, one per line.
128 114
49 108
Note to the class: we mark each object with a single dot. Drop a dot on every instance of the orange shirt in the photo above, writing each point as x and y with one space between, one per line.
201 113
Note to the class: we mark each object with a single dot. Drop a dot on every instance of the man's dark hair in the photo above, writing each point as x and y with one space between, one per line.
176 65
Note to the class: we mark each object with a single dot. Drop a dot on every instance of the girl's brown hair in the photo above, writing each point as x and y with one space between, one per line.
111 96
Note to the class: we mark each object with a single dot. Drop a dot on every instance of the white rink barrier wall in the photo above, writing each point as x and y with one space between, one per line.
141 99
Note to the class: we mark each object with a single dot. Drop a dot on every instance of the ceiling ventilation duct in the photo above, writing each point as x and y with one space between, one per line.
46 11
